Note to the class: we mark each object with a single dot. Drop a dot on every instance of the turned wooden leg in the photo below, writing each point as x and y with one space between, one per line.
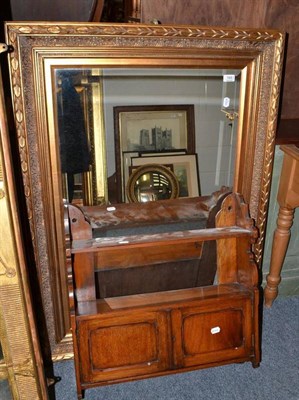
80 394
279 248
255 364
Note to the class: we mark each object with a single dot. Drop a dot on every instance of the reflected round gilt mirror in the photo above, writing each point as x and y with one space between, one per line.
152 182
92 100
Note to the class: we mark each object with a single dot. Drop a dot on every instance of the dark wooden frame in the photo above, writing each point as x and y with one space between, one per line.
190 130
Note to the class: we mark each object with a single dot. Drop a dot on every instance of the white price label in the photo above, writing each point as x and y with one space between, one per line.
229 78
226 102
215 330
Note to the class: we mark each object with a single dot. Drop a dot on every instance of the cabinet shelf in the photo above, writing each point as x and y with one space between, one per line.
164 299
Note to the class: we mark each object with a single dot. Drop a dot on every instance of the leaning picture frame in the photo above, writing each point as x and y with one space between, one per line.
151 128
185 168
126 164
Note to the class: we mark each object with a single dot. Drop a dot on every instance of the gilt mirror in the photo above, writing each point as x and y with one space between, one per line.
152 182
204 98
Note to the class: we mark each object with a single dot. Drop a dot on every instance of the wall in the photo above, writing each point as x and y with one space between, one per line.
54 10
277 14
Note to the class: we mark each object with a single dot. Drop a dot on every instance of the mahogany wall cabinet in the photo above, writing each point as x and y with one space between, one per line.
142 334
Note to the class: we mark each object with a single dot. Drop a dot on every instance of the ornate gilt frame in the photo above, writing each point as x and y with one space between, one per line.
258 53
22 364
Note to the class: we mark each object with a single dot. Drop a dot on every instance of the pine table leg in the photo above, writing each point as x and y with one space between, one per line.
279 248
288 200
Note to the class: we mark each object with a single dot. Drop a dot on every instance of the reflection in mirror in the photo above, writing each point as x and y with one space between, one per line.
80 131
86 98
5 390
74 149
152 183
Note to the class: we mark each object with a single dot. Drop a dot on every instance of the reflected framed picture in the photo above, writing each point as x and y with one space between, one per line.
185 168
152 129
127 163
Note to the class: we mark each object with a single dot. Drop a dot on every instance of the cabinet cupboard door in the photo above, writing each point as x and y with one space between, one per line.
122 346
211 335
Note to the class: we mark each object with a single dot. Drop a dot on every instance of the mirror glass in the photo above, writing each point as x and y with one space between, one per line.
152 186
109 119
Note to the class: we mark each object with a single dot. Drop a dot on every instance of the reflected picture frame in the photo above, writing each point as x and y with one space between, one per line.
127 163
92 184
151 128
185 168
